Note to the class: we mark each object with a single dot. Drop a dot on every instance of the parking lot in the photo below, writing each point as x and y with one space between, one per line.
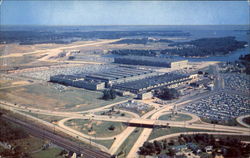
220 106
46 74
238 82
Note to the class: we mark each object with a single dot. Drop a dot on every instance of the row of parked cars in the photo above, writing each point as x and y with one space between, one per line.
220 106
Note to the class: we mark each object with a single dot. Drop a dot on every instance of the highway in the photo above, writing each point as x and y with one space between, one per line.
57 139
148 119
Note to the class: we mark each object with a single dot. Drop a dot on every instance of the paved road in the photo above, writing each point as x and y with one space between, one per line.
54 127
240 121
59 140
149 118
146 132
190 133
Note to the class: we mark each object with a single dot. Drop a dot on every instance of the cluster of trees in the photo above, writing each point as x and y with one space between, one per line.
232 147
247 120
245 60
228 122
111 127
17 152
167 93
156 148
109 94
245 57
142 41
205 47
9 132
195 48
71 57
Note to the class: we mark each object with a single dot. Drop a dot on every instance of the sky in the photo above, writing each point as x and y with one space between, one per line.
124 12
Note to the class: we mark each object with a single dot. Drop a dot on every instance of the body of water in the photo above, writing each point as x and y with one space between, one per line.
240 32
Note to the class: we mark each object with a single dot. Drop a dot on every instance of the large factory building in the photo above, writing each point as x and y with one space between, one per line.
151 61
78 81
100 80
169 79
125 79
121 74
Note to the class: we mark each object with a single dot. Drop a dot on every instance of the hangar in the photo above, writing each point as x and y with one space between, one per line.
151 61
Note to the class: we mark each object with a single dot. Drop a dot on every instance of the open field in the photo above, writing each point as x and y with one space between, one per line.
158 132
48 118
48 153
177 117
45 96
106 143
17 61
5 82
96 128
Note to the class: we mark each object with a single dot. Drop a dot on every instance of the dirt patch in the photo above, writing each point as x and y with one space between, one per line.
20 83
98 122
80 105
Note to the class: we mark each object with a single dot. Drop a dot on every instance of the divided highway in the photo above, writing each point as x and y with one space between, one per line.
57 139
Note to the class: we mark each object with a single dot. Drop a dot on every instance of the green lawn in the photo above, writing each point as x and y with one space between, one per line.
231 122
128 143
99 128
177 117
158 132
47 118
46 96
48 153
106 143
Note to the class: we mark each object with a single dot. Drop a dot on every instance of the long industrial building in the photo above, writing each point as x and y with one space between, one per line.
123 78
149 83
107 78
78 81
151 61
121 74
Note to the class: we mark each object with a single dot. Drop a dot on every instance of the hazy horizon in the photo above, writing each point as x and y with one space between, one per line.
105 13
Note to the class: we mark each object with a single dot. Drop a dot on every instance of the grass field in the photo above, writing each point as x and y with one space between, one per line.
231 122
47 118
106 143
5 83
45 96
128 143
48 153
99 128
158 132
177 117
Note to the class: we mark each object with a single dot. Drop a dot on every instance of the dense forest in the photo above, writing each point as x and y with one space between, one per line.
195 48
205 47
